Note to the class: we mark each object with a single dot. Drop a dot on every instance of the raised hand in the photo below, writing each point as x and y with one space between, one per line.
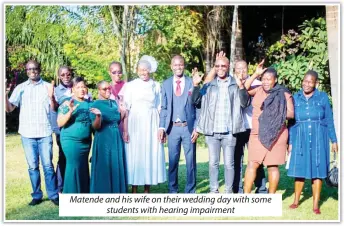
95 111
220 54
70 105
51 88
260 69
196 77
240 81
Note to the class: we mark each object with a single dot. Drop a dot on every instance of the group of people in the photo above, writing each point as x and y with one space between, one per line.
131 121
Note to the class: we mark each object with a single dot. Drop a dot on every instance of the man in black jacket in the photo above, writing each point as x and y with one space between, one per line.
221 102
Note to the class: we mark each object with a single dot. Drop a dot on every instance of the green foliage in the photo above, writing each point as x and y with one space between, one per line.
296 53
171 30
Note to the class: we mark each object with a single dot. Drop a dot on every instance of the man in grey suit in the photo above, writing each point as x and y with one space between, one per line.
178 120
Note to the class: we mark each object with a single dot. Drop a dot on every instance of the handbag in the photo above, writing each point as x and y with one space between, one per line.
332 177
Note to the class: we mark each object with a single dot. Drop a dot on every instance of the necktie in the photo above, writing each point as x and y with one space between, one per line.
178 89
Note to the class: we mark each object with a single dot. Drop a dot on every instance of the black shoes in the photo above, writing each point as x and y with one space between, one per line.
55 201
38 201
35 202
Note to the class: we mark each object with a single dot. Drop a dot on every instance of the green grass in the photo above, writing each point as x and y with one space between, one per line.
18 189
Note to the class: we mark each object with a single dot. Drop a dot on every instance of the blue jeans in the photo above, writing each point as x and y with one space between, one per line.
227 142
34 149
260 181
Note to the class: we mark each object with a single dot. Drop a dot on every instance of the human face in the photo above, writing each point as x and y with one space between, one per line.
240 70
104 91
221 68
65 77
143 72
115 73
79 90
177 66
268 81
308 84
33 71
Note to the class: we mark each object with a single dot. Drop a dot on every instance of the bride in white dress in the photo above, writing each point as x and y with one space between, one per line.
145 154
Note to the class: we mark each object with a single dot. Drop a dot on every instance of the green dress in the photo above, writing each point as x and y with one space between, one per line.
76 141
109 166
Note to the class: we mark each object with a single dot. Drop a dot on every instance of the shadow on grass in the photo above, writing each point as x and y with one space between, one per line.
287 183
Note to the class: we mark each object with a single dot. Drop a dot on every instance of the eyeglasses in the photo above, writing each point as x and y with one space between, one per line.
223 66
65 75
116 72
106 88
32 69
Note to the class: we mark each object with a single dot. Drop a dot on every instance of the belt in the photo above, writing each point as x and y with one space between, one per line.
181 124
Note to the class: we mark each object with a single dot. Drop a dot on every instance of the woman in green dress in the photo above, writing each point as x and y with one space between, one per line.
74 118
109 167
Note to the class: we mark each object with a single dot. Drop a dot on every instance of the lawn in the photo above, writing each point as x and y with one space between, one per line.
18 189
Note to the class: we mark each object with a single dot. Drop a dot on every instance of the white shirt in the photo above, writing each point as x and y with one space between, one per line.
34 103
248 110
182 84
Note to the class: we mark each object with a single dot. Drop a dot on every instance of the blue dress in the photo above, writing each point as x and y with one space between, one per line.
109 166
310 136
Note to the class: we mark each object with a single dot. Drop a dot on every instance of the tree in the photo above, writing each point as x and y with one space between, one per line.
233 43
332 38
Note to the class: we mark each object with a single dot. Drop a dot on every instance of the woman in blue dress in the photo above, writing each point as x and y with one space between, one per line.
74 118
109 166
309 139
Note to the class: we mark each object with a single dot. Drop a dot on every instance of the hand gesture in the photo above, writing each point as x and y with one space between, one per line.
260 70
334 147
70 105
196 78
220 54
194 136
95 111
51 88
240 81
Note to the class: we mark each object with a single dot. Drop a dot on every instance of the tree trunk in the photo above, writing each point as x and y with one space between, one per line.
233 43
125 19
333 44
239 49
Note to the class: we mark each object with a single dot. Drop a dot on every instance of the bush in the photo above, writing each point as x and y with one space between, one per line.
296 53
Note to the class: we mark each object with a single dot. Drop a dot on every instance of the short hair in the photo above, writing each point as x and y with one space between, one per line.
76 80
64 67
312 73
223 58
36 63
115 63
240 61
272 71
178 57
101 83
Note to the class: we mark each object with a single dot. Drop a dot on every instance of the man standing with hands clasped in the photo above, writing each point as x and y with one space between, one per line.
178 120
221 101
35 98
